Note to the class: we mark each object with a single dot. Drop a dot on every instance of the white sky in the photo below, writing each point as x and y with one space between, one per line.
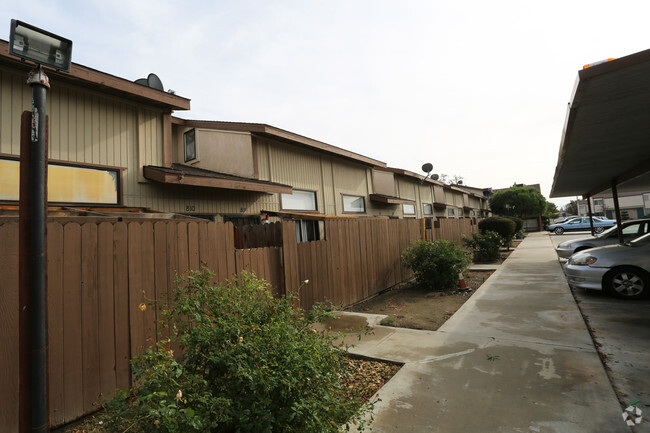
478 88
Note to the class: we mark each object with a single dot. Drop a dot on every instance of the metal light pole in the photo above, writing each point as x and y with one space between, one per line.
43 48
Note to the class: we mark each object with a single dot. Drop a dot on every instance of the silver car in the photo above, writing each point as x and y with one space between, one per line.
631 230
622 270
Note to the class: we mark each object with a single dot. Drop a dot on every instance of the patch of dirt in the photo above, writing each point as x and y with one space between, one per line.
417 308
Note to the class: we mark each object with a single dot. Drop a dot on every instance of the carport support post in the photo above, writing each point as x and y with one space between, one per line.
617 210
591 220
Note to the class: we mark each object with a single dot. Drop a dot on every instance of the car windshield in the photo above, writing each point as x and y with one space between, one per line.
641 241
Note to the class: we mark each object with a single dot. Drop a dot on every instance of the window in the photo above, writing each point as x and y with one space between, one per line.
451 212
307 231
353 203
408 209
189 144
598 202
427 209
299 200
473 213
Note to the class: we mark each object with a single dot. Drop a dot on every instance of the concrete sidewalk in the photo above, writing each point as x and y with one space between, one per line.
517 357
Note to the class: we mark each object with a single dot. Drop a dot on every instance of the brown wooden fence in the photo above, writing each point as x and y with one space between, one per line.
101 273
452 229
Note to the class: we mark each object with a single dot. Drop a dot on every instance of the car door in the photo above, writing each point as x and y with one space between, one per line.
575 224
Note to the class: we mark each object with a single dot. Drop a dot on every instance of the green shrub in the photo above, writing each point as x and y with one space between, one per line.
250 363
519 224
485 246
503 226
436 264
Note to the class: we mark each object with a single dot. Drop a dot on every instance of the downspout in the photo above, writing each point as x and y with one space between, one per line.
617 211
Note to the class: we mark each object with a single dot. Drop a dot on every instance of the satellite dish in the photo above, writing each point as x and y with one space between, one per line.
154 82
460 182
435 177
142 81
427 167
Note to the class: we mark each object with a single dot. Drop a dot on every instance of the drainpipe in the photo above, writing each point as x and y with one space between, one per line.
617 211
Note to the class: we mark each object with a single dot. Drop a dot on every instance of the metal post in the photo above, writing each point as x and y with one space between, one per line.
591 216
34 302
617 211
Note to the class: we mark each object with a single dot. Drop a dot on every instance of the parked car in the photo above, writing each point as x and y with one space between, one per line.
631 230
622 270
575 224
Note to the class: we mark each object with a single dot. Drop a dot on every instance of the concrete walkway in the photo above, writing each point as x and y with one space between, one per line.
517 357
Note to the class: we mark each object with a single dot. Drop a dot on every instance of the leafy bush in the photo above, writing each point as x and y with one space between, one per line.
519 223
249 363
485 246
503 226
436 264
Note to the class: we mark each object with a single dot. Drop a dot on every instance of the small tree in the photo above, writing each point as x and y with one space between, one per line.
436 264
519 202
505 227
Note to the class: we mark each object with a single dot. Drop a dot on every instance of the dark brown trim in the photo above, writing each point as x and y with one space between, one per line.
385 199
439 206
68 163
311 216
87 77
177 178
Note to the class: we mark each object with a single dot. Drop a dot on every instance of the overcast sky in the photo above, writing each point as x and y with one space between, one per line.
478 88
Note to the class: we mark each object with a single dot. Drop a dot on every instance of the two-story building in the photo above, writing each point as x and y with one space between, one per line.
116 146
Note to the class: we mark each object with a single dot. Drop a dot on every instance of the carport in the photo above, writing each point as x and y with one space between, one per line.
606 139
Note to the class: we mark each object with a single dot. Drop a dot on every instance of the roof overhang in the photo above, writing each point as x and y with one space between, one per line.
606 137
179 175
387 199
100 81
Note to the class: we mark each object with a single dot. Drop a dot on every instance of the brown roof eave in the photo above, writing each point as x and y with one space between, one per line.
170 176
91 78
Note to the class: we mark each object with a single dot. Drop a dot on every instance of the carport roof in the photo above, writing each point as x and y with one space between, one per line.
606 137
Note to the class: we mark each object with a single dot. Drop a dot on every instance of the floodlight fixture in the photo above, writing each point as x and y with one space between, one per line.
39 46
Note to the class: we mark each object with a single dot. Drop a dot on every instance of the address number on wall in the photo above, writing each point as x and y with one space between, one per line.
189 208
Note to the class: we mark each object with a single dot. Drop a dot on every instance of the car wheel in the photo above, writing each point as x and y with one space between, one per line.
627 283
558 230
599 229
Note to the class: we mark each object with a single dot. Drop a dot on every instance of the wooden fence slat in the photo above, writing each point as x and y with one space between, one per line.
106 317
9 326
161 283
54 322
183 249
122 305
89 316
193 246
221 270
230 248
72 323
136 298
148 284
